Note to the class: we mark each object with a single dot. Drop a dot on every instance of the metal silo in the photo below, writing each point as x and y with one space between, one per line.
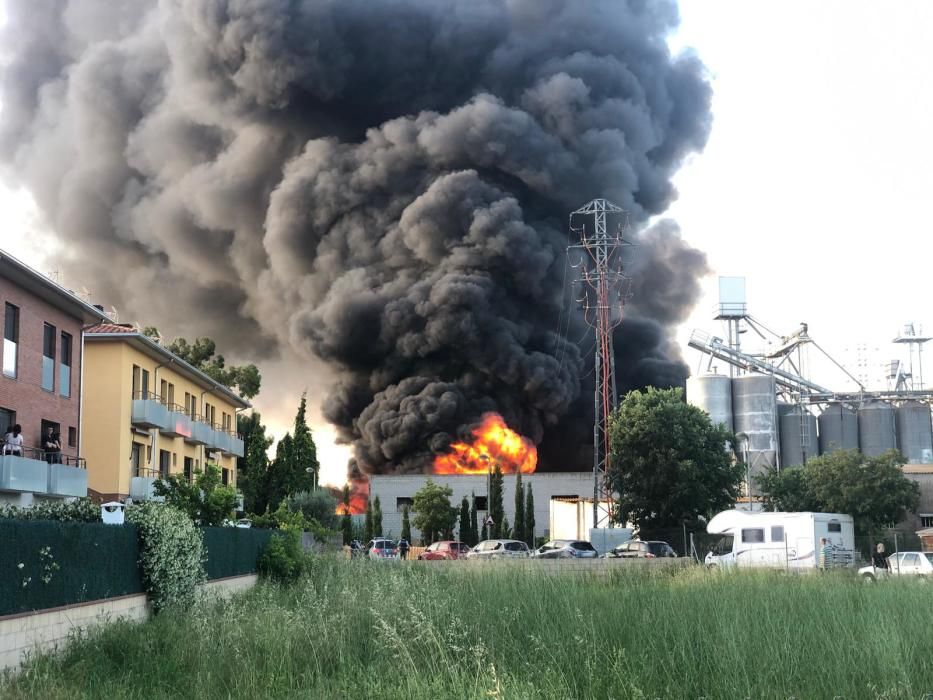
838 429
754 413
876 428
713 394
798 437
914 432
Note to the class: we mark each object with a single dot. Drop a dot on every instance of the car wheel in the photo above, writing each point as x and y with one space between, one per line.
868 578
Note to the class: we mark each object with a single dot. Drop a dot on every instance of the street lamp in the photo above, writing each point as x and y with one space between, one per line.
743 441
310 470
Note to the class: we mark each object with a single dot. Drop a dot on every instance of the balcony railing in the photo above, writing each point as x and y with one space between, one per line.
149 412
142 485
36 471
179 422
201 432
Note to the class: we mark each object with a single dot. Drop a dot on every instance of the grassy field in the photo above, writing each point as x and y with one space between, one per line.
364 630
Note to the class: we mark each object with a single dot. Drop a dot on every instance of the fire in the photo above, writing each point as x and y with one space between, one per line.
359 494
494 443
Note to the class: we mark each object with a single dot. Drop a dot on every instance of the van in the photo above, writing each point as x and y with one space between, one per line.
782 540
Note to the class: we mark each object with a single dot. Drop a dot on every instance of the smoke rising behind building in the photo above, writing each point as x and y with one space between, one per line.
381 186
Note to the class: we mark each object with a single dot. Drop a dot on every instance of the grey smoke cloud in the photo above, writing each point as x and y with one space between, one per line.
382 186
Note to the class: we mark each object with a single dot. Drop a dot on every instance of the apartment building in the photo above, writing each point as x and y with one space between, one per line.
153 415
41 383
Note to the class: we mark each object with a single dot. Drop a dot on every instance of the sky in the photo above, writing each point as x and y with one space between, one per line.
813 185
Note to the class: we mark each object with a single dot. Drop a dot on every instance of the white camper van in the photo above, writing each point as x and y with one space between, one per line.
785 540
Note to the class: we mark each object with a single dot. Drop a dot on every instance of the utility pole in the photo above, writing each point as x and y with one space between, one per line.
603 286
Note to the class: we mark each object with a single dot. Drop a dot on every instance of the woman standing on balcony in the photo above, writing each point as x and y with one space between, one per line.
52 447
13 441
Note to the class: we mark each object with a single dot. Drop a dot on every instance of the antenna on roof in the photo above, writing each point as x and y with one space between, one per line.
113 315
84 294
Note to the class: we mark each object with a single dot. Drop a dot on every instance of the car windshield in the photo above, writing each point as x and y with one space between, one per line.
384 544
929 556
657 548
583 546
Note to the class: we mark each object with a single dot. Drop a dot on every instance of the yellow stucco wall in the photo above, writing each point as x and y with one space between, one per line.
107 429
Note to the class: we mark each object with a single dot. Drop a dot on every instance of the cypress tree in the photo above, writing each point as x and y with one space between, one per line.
406 525
474 526
505 531
347 523
377 518
530 518
519 529
465 521
368 523
496 511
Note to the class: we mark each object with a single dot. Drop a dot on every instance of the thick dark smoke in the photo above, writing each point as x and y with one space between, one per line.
383 185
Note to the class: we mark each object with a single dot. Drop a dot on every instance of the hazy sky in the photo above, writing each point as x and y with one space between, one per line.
813 185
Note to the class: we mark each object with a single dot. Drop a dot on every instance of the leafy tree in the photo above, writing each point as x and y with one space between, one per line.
253 466
668 461
406 525
433 512
202 355
316 505
377 518
873 490
518 532
346 524
496 511
474 526
295 466
206 501
465 521
529 517
368 522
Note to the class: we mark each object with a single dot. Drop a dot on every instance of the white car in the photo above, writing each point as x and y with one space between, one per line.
498 549
902 564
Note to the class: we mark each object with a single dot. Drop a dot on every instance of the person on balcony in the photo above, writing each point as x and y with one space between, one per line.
52 447
13 441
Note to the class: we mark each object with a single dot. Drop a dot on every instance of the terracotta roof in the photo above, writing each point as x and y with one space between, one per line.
111 328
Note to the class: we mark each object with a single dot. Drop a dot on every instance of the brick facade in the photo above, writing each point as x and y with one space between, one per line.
24 394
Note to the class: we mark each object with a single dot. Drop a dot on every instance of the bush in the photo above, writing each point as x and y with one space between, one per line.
282 559
80 510
171 554
315 505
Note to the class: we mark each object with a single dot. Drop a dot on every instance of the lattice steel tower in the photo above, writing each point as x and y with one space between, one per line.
603 288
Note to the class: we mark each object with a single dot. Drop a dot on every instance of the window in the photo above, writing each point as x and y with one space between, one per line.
136 384
174 459
136 454
835 527
164 457
481 503
189 464
48 357
10 339
401 503
515 546
144 383
226 477
911 559
191 405
64 367
777 533
171 394
926 519
72 436
148 454
753 535
7 420
163 391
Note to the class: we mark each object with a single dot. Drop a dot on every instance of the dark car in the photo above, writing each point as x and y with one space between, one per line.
565 549
447 549
640 549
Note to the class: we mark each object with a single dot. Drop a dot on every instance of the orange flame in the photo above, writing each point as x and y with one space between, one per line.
359 494
494 443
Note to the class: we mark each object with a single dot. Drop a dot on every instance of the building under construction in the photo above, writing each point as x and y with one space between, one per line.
782 419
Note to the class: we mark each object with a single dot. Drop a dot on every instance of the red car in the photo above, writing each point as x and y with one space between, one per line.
448 549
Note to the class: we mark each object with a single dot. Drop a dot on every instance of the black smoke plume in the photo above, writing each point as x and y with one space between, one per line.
382 185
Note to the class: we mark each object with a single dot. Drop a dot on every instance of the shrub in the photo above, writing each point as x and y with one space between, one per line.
171 553
317 505
282 559
205 499
80 510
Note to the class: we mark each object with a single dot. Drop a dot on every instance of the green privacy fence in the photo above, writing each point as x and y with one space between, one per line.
45 564
233 551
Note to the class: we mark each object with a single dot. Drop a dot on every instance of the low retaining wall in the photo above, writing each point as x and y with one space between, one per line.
46 629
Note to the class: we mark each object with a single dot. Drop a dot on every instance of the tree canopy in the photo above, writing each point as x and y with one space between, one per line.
202 354
434 516
669 462
205 499
873 490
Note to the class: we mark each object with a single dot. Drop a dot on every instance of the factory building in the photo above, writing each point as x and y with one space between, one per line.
563 500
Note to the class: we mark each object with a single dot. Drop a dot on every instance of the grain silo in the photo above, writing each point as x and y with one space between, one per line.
876 428
914 432
838 428
713 394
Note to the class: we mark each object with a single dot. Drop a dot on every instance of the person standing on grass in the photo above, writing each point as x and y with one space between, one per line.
403 548
826 554
878 560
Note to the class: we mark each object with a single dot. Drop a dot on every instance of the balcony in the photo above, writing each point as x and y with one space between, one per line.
31 473
201 432
149 412
179 422
142 486
228 441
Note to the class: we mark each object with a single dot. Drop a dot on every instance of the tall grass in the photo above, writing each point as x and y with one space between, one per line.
362 630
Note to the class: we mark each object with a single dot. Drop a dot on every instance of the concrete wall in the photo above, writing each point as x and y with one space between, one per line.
44 630
545 486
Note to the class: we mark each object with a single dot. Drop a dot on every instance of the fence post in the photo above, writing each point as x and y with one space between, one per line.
897 558
786 558
684 523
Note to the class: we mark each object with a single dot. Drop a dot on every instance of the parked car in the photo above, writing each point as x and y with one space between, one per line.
382 549
565 549
498 549
641 549
447 549
902 564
